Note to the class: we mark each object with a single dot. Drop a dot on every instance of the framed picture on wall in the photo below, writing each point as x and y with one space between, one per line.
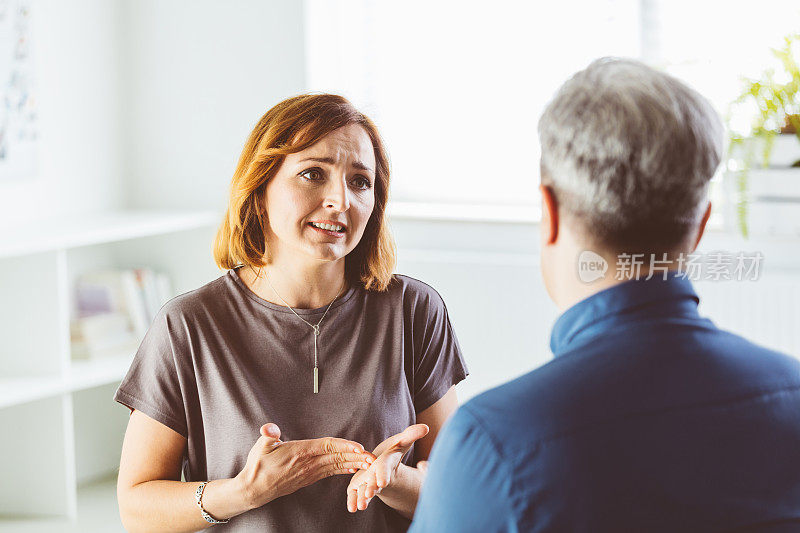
18 119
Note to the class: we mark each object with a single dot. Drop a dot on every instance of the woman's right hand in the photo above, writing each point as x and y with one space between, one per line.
275 468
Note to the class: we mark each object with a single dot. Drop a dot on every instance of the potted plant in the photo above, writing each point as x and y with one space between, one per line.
773 138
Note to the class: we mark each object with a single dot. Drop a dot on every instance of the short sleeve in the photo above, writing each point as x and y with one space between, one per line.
438 361
468 485
152 384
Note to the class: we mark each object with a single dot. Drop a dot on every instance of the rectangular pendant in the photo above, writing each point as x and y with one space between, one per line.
316 381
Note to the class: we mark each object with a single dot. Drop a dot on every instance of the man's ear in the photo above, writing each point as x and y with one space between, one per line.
702 228
549 215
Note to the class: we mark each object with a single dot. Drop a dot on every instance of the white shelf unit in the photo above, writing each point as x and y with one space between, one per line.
62 431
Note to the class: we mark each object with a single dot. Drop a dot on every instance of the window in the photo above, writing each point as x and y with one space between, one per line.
456 88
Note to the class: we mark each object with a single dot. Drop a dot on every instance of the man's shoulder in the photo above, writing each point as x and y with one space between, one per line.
745 351
526 409
470 484
595 385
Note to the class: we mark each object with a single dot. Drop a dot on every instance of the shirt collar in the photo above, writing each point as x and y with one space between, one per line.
672 295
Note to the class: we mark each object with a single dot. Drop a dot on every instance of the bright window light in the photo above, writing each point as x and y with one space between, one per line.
457 87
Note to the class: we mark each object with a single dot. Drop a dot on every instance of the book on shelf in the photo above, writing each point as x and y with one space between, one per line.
102 335
114 308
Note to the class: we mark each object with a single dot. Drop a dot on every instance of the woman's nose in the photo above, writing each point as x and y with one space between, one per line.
337 195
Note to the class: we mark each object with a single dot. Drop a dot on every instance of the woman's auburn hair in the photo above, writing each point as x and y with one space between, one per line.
292 126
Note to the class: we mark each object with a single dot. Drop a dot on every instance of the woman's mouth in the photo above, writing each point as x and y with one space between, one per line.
334 230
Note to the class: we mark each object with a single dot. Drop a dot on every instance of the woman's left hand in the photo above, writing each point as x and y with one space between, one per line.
365 484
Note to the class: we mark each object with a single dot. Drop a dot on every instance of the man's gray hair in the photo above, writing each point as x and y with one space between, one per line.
629 152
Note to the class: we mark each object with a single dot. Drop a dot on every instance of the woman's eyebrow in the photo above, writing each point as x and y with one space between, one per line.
330 161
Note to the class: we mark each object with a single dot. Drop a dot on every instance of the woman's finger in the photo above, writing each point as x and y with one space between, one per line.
332 469
371 488
266 444
270 435
410 435
422 466
362 499
356 480
383 472
327 445
362 461
352 499
271 430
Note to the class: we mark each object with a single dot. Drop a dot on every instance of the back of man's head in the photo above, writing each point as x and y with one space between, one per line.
628 152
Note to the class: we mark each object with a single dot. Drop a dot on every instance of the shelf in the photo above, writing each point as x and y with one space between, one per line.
70 232
15 391
97 512
93 373
81 375
67 429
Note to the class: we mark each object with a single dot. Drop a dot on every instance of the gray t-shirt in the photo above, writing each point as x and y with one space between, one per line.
219 362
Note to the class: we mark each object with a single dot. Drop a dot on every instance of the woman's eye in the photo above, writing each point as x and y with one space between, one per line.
362 183
312 174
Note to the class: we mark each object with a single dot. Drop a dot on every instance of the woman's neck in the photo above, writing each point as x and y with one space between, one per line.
300 287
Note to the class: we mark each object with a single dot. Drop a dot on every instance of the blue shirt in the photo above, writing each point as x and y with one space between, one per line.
648 419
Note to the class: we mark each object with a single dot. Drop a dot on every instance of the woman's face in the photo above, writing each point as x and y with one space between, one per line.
319 201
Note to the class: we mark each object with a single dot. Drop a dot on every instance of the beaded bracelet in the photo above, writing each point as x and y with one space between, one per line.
198 495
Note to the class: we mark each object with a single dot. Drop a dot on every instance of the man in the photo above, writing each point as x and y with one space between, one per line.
648 418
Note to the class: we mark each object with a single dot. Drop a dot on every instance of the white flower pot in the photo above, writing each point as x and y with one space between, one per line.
773 202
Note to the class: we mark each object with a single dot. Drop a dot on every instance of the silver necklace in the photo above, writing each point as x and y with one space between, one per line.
315 327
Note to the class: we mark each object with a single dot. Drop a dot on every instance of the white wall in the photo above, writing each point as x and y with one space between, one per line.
76 46
198 76
148 103
489 276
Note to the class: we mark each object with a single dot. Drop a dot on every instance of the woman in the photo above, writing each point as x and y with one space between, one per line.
308 341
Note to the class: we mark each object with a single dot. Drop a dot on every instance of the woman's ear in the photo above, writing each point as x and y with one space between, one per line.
549 215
